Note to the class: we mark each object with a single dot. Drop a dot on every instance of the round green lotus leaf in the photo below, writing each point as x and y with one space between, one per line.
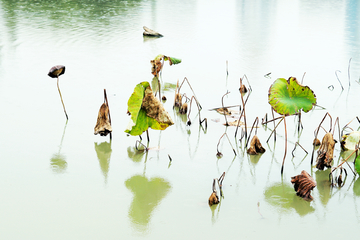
288 97
357 164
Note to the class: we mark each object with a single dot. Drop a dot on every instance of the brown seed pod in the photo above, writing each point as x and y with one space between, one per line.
103 126
178 98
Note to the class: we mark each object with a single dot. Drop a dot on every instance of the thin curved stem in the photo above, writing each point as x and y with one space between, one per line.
67 118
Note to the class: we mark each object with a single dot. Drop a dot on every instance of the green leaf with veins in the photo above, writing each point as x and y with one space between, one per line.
288 97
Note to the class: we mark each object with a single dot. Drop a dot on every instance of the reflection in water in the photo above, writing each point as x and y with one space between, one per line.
357 187
283 196
147 195
323 185
103 151
135 155
58 163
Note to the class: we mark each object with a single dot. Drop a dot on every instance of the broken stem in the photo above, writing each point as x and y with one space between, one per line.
222 102
217 147
191 90
256 121
297 143
67 118
282 118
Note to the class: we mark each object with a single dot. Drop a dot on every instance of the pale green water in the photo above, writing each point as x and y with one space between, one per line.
59 181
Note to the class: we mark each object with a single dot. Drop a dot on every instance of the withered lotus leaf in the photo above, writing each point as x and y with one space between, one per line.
255 146
56 71
183 109
349 141
146 111
316 142
158 63
178 98
303 184
103 126
213 199
325 152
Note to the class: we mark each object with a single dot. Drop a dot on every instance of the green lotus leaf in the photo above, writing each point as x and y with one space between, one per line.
350 140
172 60
146 111
357 164
288 97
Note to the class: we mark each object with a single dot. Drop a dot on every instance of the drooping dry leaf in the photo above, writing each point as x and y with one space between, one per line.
223 111
154 108
156 66
177 102
103 126
213 199
183 109
303 184
325 152
243 89
255 146
316 142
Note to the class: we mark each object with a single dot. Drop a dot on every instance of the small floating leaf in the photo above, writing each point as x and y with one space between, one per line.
288 97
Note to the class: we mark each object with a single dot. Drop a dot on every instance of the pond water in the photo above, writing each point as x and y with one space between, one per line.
59 181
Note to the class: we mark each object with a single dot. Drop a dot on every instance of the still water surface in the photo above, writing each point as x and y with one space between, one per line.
59 181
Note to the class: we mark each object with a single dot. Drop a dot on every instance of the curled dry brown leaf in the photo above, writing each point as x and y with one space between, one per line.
316 142
156 66
255 146
325 152
154 108
213 199
303 184
103 126
184 108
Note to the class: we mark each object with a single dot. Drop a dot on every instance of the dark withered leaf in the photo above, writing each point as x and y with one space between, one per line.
56 71
303 184
255 146
103 126
325 152
213 199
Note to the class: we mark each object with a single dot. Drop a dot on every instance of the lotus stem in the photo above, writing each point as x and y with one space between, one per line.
297 143
222 102
257 122
282 167
67 118
317 132
191 90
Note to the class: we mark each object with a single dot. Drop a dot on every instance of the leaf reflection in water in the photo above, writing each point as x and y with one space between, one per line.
283 196
148 193
103 152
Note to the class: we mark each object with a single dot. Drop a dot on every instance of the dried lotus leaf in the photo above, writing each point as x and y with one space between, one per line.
103 126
